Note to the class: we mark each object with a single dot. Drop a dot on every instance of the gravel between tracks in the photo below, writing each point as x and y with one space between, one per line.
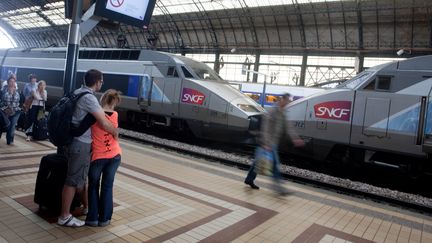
293 171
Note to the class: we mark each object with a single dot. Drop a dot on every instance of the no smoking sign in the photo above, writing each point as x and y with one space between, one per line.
116 3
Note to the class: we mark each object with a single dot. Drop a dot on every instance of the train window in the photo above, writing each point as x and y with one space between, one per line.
172 72
356 81
124 55
272 98
116 55
384 82
370 86
99 54
186 73
92 55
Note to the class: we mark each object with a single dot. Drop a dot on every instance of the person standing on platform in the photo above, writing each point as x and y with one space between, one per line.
78 152
10 106
273 128
106 158
38 103
4 84
27 99
29 89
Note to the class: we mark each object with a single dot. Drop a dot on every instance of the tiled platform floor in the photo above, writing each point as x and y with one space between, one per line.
163 197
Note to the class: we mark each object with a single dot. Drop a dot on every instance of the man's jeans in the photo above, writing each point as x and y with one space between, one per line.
101 206
276 162
11 130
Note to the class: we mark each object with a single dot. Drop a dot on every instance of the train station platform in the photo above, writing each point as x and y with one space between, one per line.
161 196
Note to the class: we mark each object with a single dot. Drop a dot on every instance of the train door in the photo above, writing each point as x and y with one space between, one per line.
171 90
217 110
145 92
427 141
151 93
386 120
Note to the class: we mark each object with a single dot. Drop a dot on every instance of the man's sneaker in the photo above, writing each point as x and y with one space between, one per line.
252 185
70 221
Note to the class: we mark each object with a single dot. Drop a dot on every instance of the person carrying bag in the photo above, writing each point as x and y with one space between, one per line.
274 126
36 113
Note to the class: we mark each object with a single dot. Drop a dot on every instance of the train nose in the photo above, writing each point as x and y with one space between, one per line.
255 124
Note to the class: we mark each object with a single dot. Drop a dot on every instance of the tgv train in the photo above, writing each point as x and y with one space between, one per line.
269 95
383 116
158 88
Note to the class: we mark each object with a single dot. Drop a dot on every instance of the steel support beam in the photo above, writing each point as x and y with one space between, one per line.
358 64
69 78
360 26
303 69
256 67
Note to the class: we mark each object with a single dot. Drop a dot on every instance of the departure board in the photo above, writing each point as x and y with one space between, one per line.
132 12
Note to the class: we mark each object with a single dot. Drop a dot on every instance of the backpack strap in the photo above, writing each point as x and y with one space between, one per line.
86 123
78 96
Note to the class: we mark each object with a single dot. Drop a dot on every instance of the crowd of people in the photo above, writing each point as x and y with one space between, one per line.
22 105
95 155
27 106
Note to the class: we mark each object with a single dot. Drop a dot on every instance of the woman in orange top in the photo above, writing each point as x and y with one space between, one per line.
106 158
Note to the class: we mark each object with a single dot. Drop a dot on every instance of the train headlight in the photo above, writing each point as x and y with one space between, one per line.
248 108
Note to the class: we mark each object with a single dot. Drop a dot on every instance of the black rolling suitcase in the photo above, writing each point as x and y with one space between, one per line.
40 129
49 182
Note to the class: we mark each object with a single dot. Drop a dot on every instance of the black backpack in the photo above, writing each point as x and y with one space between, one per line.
60 119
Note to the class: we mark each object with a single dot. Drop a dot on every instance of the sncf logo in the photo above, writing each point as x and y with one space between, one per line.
336 110
192 96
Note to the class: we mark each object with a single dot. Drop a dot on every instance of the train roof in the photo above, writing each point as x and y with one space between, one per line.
392 76
92 53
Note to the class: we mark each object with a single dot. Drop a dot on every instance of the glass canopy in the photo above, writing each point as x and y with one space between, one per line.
52 14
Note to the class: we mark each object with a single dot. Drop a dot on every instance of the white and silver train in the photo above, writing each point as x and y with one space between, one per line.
383 116
158 88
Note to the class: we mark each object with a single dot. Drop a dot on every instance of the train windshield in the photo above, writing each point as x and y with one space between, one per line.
201 70
356 81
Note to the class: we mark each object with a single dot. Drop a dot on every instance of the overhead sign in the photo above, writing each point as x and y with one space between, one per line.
335 110
133 8
132 12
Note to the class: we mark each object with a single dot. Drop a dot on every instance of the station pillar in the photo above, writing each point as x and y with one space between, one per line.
303 69
74 38
216 65
256 67
358 64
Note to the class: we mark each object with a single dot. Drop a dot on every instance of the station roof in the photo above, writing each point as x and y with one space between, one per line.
371 27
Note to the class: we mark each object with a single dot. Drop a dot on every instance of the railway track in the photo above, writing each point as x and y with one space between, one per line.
344 186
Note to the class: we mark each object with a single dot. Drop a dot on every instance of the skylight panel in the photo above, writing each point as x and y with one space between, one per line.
56 13
26 21
56 16
190 6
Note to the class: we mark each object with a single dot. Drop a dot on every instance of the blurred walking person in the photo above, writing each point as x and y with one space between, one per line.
274 126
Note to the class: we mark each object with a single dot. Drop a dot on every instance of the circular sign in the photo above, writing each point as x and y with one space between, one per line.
116 3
